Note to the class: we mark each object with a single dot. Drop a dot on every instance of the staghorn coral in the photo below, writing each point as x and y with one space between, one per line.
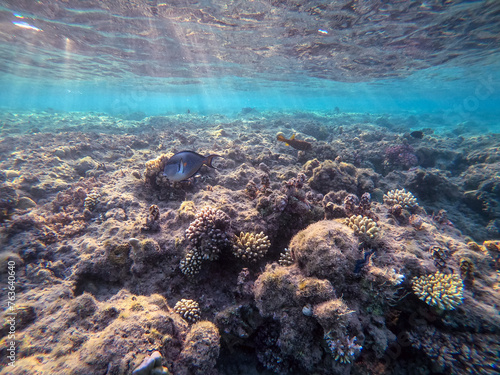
402 197
286 258
91 201
251 246
438 289
362 226
207 233
344 348
188 309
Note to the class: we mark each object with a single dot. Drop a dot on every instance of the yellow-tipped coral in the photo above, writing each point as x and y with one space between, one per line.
188 309
401 197
362 226
251 246
438 289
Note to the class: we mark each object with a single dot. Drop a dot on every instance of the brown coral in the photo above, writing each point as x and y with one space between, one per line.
188 309
251 246
402 197
438 289
362 226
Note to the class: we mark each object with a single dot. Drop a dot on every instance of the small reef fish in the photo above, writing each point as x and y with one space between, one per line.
186 164
417 134
295 143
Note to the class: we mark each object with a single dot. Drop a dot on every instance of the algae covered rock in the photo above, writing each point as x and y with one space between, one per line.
326 249
201 350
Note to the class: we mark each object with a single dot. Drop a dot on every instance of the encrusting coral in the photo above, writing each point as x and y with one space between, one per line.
188 309
400 197
363 226
251 246
438 289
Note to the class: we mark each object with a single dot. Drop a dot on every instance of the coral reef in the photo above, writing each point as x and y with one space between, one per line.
286 258
343 349
438 289
208 232
251 246
94 274
363 226
188 309
400 197
92 200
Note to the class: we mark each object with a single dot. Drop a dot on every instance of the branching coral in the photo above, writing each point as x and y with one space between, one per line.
402 197
251 246
438 289
91 201
362 226
286 258
188 309
343 349
207 232
191 264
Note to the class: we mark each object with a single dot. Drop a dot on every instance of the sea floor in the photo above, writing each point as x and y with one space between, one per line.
98 248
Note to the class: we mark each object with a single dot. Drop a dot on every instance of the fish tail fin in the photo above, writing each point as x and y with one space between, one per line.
209 159
281 138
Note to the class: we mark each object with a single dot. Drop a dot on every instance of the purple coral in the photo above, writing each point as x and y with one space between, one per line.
207 233
343 349
402 156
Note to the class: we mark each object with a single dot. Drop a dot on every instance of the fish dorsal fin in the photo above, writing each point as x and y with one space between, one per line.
292 137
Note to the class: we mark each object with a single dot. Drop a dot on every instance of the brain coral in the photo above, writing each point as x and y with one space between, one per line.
188 309
251 246
362 226
438 289
401 197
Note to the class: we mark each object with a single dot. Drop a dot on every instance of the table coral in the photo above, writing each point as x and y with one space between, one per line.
401 197
188 309
362 226
251 246
438 289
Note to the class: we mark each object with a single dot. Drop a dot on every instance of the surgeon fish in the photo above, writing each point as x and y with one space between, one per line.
186 164
295 143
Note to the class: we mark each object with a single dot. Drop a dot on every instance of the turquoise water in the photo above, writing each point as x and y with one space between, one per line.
217 57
